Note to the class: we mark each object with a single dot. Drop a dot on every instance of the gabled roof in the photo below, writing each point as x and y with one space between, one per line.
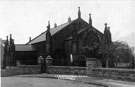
24 47
42 36
100 34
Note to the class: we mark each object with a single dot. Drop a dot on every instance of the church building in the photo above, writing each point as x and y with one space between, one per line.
68 44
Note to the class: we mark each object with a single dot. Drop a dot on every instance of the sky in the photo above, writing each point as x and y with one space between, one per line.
29 18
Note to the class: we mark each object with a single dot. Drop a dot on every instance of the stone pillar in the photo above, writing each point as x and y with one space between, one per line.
133 64
18 62
41 64
48 40
48 63
92 63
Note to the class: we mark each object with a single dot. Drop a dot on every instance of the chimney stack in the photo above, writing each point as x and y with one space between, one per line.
7 38
48 27
79 12
105 25
55 25
69 19
11 39
10 36
90 20
29 39
106 28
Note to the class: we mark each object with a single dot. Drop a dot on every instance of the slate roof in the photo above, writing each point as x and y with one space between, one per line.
100 34
24 47
42 36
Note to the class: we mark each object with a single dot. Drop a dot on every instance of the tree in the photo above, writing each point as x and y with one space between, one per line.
116 53
106 51
133 62
123 53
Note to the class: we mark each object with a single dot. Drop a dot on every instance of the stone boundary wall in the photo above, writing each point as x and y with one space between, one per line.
113 73
106 73
20 70
72 70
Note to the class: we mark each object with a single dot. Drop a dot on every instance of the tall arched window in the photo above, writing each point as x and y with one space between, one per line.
91 40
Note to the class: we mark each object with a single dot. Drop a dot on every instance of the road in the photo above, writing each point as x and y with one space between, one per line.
16 81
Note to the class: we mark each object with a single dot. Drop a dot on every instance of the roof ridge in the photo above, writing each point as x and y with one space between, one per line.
96 29
51 29
62 24
36 37
22 44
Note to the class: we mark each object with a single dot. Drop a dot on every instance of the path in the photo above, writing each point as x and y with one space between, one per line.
16 81
53 80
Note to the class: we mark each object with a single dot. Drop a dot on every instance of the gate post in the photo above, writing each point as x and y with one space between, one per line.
41 64
18 62
48 63
92 63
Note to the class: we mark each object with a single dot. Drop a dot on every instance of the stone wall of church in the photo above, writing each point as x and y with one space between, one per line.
40 49
26 57
61 49
58 40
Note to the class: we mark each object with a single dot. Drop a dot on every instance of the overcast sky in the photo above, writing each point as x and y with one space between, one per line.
29 18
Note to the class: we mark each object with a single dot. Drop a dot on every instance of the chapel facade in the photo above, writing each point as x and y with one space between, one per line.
68 44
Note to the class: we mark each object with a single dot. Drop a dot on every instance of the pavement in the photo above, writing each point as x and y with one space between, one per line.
17 81
85 79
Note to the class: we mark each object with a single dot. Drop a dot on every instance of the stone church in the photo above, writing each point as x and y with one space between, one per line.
68 44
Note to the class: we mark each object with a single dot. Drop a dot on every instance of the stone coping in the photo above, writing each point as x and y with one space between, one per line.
115 69
90 59
71 67
28 66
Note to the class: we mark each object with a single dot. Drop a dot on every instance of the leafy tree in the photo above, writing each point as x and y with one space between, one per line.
90 52
106 52
123 53
115 53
